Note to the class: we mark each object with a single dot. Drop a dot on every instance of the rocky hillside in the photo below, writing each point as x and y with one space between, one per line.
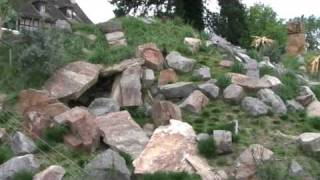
156 100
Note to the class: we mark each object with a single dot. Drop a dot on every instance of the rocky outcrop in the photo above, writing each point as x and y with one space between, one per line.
180 63
18 164
210 90
152 55
310 143
223 140
51 173
101 106
177 90
120 131
21 144
254 106
164 111
195 102
167 76
272 99
233 94
84 133
108 165
71 81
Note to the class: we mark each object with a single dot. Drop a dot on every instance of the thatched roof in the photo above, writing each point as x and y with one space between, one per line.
26 9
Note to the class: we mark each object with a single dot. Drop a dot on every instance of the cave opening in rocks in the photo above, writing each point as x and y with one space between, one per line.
102 89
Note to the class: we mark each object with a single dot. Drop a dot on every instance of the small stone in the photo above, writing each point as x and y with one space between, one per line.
101 106
193 43
51 173
195 102
167 76
21 144
164 111
202 73
296 169
294 106
148 78
177 90
254 106
223 140
180 63
210 90
234 94
116 39
203 136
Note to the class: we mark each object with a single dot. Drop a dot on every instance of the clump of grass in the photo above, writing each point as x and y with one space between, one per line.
170 176
5 153
56 133
207 148
314 122
128 159
23 175
289 88
223 81
238 67
138 115
273 170
266 71
316 90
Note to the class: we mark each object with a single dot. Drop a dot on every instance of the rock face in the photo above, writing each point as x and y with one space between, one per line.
108 165
234 94
116 39
195 102
193 43
164 111
296 43
71 81
306 96
310 143
313 110
254 106
167 76
123 65
38 108
101 106
18 164
84 133
210 90
247 161
21 144
177 90
148 78
293 106
152 56
120 131
272 99
223 140
51 173
202 73
130 86
180 63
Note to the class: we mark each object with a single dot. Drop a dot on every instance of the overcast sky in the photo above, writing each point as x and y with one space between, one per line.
101 10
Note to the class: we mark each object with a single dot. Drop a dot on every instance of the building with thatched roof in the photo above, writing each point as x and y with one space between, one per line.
33 14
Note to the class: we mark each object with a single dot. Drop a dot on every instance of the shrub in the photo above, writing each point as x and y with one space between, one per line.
314 122
273 170
266 71
238 67
5 153
23 175
290 88
169 176
223 81
56 133
207 147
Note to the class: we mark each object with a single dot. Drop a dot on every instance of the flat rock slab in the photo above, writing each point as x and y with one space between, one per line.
178 90
180 63
123 65
310 143
152 55
116 38
167 76
71 81
120 131
51 173
101 106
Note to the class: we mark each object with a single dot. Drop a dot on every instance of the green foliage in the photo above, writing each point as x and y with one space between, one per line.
265 70
314 122
23 175
291 62
128 159
238 67
169 176
5 153
138 114
223 81
56 133
273 170
207 147
316 91
290 88
312 30
273 51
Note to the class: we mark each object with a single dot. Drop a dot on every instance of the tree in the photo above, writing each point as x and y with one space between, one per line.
312 30
263 21
231 23
6 12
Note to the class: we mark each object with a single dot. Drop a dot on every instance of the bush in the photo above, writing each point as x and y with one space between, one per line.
290 88
271 170
23 175
56 133
207 148
314 122
266 71
169 176
238 67
223 81
5 153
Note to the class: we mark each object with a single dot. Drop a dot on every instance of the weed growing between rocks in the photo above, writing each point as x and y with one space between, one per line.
314 122
238 67
23 175
5 153
56 133
207 147
274 170
223 81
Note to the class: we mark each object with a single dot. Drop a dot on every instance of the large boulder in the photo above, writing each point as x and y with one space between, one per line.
250 83
51 173
313 110
108 165
306 96
121 132
310 143
21 144
177 90
254 106
234 94
116 39
223 140
164 111
210 90
71 81
272 99
83 133
173 148
152 55
38 108
202 73
18 164
248 160
167 76
101 106
195 102
193 43
180 63
293 106
119 68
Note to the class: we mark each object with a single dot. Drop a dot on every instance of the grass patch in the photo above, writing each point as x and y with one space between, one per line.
274 170
23 175
266 71
169 176
56 133
223 81
314 122
138 115
5 153
238 67
207 147
290 88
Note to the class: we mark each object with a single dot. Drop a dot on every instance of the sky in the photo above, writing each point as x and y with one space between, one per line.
102 10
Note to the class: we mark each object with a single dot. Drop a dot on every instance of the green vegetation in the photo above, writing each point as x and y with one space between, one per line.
207 147
238 67
266 71
169 176
314 122
23 175
290 88
5 153
223 81
274 170
56 133
138 114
